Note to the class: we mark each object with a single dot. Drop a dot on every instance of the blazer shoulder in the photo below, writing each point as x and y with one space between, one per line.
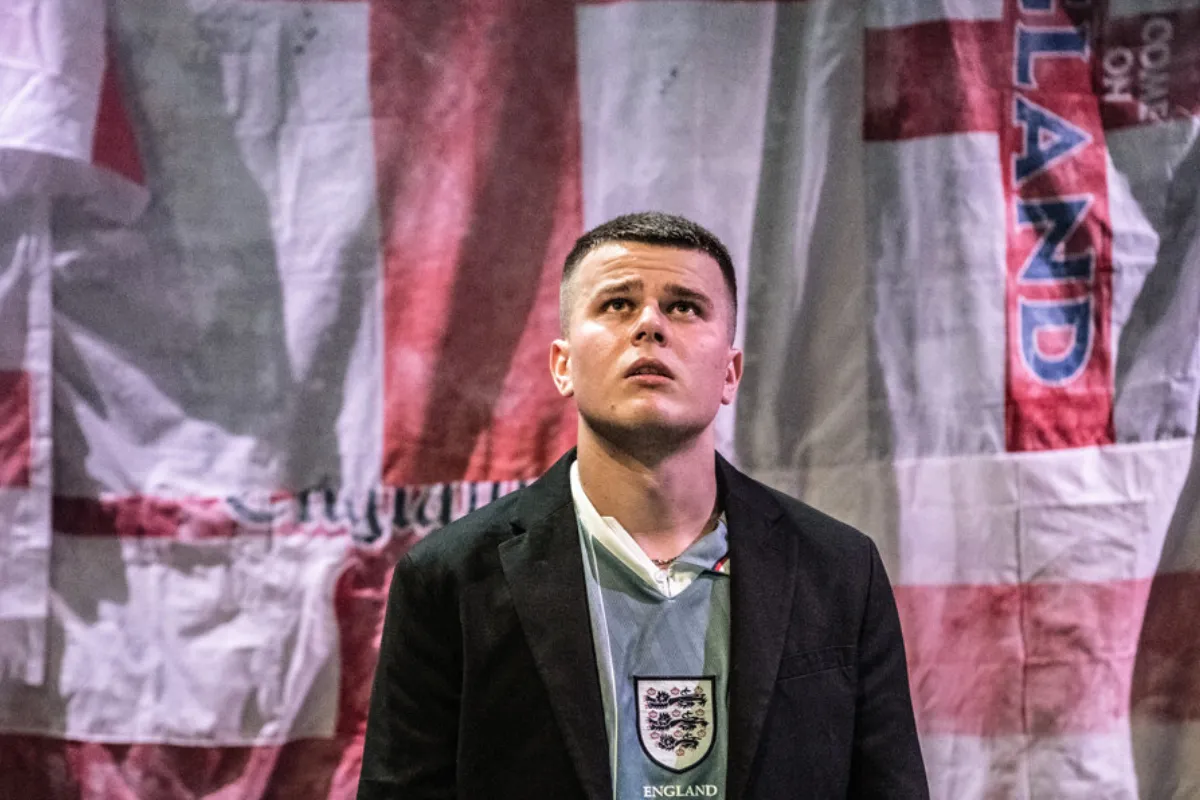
816 528
468 547
837 563
453 547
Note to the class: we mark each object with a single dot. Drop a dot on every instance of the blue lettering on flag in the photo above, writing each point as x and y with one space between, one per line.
1037 5
1056 219
1038 42
1048 138
1077 315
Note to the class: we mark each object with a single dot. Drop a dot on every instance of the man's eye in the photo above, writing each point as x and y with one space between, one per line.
616 304
686 306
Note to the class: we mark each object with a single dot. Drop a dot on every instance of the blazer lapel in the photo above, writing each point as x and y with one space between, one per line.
763 573
543 566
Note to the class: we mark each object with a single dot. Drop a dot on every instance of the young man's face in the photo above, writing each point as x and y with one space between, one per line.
647 348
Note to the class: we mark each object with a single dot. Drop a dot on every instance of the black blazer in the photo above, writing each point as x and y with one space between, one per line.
487 685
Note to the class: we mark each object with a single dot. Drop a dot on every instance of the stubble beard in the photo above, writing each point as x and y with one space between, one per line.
646 441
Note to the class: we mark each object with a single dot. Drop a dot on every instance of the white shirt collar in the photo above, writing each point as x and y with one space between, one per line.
612 536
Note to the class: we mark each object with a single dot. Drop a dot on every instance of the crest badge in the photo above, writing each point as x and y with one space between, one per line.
677 720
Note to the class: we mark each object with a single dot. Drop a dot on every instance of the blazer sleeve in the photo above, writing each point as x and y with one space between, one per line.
886 760
410 746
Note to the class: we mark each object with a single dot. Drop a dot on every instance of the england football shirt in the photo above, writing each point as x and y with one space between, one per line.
661 638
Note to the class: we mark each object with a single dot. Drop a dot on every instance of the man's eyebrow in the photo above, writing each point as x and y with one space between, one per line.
676 290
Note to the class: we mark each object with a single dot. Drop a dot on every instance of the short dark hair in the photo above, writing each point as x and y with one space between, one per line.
655 228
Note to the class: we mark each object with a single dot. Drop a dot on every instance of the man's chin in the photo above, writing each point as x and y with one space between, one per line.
649 429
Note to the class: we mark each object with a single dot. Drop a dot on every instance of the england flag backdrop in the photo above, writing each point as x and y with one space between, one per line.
278 278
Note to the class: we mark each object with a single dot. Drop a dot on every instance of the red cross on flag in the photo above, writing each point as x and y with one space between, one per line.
278 280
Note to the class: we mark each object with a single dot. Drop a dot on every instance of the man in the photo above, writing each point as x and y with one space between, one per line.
644 620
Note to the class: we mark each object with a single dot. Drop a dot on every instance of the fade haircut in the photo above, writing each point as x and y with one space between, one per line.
653 228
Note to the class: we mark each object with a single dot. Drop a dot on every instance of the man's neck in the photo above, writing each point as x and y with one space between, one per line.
665 503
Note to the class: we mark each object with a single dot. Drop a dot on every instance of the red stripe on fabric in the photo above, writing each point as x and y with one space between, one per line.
1034 658
192 518
478 170
1044 411
142 516
1149 69
365 517
114 145
360 600
949 76
16 428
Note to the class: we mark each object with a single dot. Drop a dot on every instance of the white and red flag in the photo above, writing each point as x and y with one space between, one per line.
278 278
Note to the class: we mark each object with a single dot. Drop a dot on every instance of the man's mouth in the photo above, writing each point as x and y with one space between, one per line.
650 367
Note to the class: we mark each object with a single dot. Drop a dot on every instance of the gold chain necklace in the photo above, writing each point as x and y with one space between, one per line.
663 563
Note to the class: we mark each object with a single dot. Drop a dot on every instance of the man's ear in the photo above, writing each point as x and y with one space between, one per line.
560 367
733 376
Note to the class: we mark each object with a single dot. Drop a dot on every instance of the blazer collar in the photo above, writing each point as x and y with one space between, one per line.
543 566
762 583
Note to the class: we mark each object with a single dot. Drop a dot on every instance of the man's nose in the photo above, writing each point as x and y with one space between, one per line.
650 326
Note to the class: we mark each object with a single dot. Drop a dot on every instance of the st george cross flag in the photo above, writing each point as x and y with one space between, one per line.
278 280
